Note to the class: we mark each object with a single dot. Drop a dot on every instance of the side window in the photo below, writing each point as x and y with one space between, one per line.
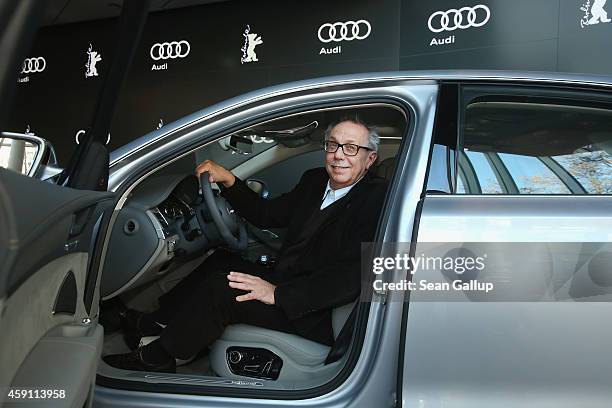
591 168
532 176
443 162
460 185
485 180
530 147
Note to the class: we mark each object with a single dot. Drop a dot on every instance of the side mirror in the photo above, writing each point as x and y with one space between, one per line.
28 154
237 144
259 187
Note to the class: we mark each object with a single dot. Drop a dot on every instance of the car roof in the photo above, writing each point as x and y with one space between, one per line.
529 77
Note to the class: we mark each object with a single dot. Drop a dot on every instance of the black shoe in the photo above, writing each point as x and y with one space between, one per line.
129 327
132 340
111 315
133 361
133 329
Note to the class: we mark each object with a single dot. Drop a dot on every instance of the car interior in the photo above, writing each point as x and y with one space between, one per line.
170 224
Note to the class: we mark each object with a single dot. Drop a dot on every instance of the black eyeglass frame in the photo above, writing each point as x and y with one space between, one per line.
341 145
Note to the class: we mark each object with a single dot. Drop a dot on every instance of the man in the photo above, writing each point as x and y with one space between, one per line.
328 214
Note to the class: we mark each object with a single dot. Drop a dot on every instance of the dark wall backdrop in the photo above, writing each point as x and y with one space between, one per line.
59 100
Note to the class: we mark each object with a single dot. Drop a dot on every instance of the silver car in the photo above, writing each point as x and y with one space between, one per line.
518 165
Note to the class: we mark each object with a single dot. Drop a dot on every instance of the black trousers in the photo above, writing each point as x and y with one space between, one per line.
198 308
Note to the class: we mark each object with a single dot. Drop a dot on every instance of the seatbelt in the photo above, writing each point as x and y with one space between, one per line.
88 168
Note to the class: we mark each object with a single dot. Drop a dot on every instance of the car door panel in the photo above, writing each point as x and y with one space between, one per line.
489 349
51 341
64 363
58 217
537 338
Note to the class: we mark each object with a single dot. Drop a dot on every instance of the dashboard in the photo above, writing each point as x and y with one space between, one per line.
163 224
179 208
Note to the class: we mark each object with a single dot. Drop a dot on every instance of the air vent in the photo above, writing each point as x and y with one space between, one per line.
131 227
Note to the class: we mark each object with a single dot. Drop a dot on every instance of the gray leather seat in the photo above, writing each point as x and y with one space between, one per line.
385 168
302 359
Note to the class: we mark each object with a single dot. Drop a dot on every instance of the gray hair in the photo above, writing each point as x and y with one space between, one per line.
373 137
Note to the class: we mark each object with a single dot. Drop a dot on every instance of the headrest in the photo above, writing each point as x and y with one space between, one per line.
385 168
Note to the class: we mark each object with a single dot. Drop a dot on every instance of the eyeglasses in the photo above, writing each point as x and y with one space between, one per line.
349 149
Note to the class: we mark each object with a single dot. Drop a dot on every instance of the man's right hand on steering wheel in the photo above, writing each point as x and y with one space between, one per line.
217 173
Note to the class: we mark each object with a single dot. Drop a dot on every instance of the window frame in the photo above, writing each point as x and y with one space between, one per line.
470 93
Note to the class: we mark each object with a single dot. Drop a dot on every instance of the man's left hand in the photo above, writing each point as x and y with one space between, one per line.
258 288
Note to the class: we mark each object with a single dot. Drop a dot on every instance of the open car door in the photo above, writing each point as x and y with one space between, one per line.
50 238
50 341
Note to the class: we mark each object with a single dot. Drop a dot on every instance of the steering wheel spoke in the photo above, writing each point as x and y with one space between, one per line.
224 217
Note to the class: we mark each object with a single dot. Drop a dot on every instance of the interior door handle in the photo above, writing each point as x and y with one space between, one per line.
79 221
66 298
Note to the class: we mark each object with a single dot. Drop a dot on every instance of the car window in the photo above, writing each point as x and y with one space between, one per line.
443 165
485 176
460 185
592 169
532 176
516 147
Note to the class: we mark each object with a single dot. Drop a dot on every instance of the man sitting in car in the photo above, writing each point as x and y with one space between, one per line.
329 213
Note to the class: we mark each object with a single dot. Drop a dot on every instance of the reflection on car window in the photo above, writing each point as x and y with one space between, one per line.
460 185
531 176
592 169
485 175
512 147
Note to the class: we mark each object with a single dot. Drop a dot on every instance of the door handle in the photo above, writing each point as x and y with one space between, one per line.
79 221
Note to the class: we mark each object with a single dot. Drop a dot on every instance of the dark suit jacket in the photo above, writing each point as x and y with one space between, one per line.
319 263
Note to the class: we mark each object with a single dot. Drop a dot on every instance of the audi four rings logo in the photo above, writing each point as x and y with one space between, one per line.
463 18
347 31
173 49
31 65
77 137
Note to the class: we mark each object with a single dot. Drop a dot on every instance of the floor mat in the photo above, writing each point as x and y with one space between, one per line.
199 366
114 344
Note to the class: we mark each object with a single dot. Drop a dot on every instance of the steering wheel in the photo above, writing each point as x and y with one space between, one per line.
224 217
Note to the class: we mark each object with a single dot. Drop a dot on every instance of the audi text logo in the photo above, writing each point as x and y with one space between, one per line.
462 18
173 49
31 65
347 31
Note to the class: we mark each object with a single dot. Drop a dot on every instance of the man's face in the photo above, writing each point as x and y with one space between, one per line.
345 170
